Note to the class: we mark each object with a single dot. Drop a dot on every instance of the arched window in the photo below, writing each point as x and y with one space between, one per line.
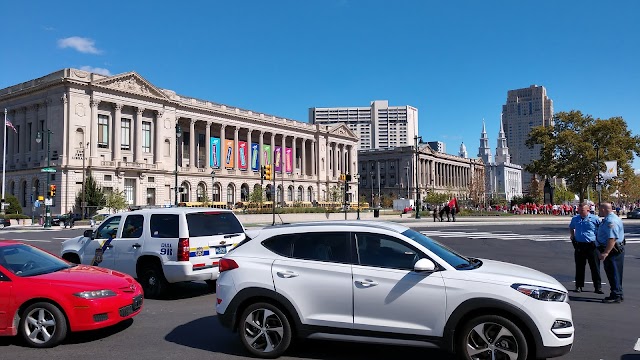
267 192
279 194
230 194
290 193
244 192
24 193
310 194
200 192
36 187
12 188
216 193
185 190
300 193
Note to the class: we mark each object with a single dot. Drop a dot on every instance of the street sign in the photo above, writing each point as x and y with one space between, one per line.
48 202
37 203
48 170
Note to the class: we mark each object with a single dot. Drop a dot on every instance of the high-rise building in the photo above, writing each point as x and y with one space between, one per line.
525 109
379 126
438 146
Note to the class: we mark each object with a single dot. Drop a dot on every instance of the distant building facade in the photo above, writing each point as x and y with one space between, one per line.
463 151
122 130
525 109
378 126
392 173
438 146
503 179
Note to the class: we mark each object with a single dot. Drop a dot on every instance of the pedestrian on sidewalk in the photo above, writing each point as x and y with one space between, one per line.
583 229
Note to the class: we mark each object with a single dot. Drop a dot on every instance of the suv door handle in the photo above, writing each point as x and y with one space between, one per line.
287 274
366 282
136 245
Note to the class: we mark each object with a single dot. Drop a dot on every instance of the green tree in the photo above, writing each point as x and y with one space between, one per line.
336 194
435 198
256 196
568 148
94 196
14 205
115 200
562 194
536 189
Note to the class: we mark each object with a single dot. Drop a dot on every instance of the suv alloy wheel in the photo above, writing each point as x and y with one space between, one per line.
491 337
264 330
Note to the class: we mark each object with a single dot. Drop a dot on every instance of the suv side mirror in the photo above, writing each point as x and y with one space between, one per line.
424 265
88 233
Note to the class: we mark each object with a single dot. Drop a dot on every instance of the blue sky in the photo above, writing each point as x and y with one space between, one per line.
453 60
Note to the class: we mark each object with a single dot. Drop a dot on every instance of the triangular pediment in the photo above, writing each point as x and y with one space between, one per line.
342 130
131 83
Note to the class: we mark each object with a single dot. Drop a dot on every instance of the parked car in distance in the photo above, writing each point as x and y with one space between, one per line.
159 246
386 283
4 223
43 297
99 218
634 214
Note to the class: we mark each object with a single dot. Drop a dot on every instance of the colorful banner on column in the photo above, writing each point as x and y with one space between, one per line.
229 158
288 156
214 161
255 155
266 154
242 155
277 159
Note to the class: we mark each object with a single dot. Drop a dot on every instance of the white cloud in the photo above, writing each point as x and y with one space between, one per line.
96 70
83 45
48 28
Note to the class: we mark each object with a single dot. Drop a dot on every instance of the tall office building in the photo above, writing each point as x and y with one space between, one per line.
525 109
379 126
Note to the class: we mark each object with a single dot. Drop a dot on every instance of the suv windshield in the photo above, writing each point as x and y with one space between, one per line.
24 260
212 223
451 257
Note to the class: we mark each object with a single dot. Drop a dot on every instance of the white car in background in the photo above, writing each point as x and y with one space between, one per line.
385 283
159 246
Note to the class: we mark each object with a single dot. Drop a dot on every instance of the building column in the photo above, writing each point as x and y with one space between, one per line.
22 133
303 171
295 159
94 130
159 142
236 133
117 132
207 147
192 145
32 135
138 149
314 162
273 153
261 162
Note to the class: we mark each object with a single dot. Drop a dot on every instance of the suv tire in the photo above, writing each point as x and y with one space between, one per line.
489 335
152 280
264 330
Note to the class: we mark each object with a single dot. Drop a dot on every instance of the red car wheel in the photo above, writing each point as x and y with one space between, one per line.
43 325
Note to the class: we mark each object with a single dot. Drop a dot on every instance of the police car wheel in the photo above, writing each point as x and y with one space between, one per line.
491 337
43 325
153 281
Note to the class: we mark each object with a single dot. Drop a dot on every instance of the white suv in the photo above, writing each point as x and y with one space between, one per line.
159 246
386 283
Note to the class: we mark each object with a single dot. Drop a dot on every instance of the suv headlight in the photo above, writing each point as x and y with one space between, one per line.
95 294
540 292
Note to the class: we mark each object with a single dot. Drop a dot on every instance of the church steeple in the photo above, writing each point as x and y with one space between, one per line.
484 151
463 151
502 151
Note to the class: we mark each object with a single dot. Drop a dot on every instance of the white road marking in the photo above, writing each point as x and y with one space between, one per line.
507 236
637 347
29 240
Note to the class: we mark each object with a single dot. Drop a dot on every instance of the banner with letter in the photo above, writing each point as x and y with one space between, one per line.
242 155
277 159
612 170
229 158
288 163
266 154
255 155
214 161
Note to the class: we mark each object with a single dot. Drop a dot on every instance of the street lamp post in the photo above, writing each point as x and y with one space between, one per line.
213 183
406 169
417 179
357 176
178 135
47 211
372 189
598 184
84 174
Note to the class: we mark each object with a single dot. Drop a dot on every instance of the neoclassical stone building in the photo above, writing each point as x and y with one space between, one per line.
122 130
392 173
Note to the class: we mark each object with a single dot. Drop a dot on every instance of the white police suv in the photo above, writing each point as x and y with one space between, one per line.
159 246
385 283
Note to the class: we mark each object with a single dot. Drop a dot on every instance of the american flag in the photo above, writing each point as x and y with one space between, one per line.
9 124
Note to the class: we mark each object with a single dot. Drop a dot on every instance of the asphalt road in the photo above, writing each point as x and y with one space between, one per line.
185 324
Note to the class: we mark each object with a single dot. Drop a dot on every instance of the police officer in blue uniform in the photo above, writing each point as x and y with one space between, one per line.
611 247
583 229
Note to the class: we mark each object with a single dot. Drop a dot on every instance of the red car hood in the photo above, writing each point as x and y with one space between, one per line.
89 277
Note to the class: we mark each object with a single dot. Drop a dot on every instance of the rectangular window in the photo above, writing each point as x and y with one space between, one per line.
107 178
103 131
125 137
29 134
146 136
129 190
40 129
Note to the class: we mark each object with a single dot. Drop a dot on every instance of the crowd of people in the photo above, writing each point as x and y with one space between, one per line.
557 209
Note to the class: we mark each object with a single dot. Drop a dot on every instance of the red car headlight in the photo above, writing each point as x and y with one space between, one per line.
95 294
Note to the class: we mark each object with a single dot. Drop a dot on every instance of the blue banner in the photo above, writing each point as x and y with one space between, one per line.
214 161
255 154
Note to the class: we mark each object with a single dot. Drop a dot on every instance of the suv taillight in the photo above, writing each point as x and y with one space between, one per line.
226 265
183 249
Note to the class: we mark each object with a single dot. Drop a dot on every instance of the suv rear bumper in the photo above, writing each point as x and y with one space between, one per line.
183 271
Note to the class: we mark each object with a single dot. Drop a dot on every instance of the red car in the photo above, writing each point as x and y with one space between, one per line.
43 297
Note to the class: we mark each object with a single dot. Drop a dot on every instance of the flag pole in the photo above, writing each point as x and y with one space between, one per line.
4 158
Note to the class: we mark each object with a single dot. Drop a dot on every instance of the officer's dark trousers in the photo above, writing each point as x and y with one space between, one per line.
587 253
613 266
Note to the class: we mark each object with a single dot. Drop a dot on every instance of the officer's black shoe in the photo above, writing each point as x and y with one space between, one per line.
612 300
599 291
578 289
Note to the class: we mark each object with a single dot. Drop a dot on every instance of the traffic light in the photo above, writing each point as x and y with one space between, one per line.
262 172
348 177
267 172
52 190
342 177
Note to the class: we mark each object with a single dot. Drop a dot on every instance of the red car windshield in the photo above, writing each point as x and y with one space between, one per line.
24 260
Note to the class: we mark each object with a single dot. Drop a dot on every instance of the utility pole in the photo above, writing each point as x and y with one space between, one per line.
417 178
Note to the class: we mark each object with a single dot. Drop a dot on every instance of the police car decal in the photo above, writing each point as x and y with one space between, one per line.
199 251
97 258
